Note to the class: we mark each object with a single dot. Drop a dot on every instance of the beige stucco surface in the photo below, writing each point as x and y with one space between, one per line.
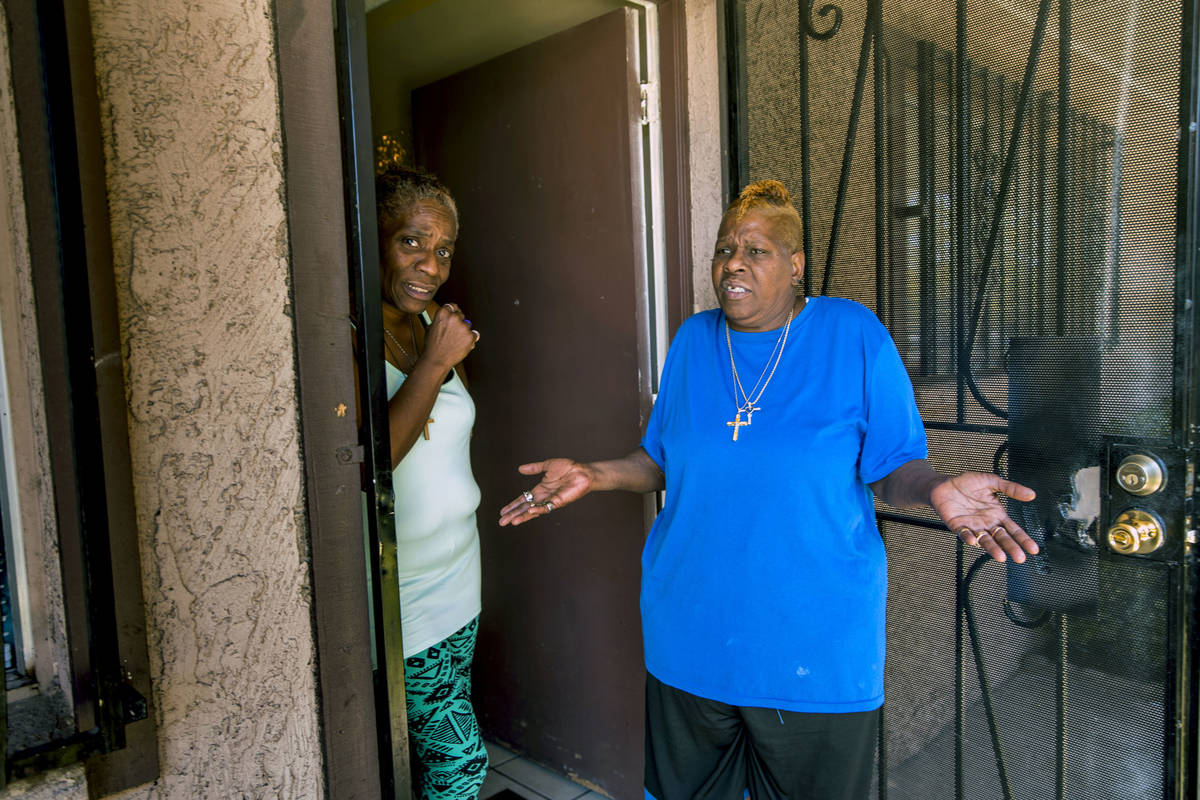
189 106
64 784
704 143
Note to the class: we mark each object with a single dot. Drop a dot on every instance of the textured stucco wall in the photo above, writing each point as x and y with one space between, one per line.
189 104
65 784
704 143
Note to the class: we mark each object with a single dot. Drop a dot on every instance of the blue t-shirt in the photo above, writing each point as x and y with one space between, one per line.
764 578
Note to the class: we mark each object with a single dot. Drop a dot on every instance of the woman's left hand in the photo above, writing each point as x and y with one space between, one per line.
970 506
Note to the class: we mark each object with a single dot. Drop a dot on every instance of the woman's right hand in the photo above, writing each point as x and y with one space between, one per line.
563 481
449 338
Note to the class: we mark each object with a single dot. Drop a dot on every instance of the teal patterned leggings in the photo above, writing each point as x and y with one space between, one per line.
451 761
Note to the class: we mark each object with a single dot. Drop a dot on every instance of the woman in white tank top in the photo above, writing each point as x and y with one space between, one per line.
430 415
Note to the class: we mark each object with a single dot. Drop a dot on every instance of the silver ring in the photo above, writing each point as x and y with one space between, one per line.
549 506
528 495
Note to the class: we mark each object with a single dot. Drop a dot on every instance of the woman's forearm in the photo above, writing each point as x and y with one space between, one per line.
636 472
909 485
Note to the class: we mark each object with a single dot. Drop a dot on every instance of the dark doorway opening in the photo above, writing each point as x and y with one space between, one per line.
552 128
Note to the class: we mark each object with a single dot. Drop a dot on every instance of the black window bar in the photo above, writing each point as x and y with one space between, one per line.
1008 248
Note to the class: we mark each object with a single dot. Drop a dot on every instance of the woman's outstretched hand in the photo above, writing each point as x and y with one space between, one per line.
970 506
563 481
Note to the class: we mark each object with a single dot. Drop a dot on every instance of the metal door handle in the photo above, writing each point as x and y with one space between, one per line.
1136 532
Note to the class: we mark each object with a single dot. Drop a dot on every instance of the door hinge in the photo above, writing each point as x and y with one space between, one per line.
649 103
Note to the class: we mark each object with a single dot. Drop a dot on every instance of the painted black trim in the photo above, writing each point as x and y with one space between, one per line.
358 170
734 171
806 142
870 33
1183 720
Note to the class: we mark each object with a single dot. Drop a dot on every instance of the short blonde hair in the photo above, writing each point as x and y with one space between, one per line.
772 196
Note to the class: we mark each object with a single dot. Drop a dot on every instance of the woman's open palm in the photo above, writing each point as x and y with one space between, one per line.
970 505
563 481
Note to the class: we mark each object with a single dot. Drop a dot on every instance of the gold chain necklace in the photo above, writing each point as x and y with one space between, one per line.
747 405
396 342
771 359
407 354
393 338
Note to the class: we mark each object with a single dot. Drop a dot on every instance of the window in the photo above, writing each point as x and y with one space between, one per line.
74 640
1029 291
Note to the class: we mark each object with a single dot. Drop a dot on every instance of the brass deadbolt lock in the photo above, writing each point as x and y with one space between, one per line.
1136 533
1140 475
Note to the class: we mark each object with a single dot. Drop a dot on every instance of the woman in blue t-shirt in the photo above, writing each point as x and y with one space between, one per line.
778 421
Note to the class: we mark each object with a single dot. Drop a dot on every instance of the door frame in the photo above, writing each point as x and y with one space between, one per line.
1185 739
310 117
324 229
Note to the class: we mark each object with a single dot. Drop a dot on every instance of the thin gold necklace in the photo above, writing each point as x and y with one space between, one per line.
412 328
747 405
771 359
397 343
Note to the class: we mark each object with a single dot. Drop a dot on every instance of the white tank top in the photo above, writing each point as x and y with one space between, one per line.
436 536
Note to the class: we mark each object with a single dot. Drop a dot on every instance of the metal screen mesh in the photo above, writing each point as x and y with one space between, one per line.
1028 281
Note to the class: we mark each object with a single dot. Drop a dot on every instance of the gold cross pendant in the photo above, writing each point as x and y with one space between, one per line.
427 428
736 423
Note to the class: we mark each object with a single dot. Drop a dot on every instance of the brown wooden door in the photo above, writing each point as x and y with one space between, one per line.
537 146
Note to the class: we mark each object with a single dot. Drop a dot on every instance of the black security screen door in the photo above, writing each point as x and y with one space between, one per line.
1011 186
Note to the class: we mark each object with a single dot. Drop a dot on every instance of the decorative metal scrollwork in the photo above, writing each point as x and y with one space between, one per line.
986 163
825 10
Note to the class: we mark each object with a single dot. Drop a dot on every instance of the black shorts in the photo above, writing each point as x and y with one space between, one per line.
699 749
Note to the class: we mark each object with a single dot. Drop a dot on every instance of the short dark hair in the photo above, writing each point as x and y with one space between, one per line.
398 188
